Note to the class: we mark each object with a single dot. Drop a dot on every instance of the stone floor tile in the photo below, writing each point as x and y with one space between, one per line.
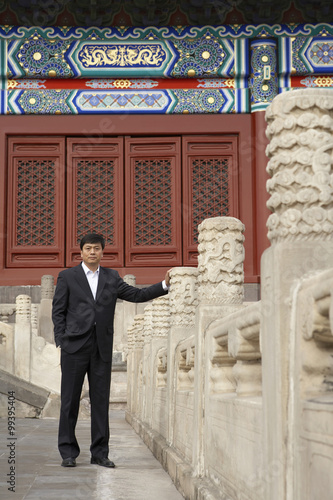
39 475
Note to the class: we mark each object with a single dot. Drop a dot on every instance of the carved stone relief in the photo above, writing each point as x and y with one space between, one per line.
300 125
183 295
47 287
220 261
23 309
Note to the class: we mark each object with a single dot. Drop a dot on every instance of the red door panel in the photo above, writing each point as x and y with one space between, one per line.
210 185
35 204
95 196
153 202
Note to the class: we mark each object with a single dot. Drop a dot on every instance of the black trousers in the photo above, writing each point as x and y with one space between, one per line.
74 367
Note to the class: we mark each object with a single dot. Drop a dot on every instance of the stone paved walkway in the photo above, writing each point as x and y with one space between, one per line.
37 474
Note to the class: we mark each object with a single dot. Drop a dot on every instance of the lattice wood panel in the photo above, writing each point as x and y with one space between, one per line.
153 202
95 196
210 187
35 204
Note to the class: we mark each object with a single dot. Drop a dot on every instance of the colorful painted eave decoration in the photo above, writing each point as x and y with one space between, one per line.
226 69
41 56
168 32
101 96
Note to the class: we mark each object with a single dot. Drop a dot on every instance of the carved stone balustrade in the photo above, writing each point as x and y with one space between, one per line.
185 356
148 323
183 296
136 333
300 128
6 310
162 367
160 317
222 379
47 287
244 346
220 261
235 352
315 322
300 228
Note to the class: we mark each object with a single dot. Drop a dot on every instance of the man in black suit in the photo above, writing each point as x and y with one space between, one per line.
83 311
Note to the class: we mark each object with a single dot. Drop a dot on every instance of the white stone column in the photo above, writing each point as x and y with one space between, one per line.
45 310
160 324
183 302
300 229
22 337
147 377
136 336
220 292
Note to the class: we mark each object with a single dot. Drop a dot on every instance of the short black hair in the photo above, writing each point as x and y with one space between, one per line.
92 238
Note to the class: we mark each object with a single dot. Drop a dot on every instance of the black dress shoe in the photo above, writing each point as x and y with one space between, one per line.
104 462
68 462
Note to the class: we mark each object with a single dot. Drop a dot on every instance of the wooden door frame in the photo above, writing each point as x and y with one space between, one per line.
95 126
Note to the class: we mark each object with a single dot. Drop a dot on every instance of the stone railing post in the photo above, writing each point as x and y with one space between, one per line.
134 363
127 317
300 229
220 292
220 261
183 299
147 375
45 310
22 337
160 325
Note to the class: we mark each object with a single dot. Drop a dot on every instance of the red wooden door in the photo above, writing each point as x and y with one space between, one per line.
36 202
153 202
210 185
95 196
147 203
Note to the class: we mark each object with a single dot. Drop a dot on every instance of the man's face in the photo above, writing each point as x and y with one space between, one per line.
91 254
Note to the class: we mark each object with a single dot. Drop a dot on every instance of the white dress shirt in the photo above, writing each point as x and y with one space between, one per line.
92 278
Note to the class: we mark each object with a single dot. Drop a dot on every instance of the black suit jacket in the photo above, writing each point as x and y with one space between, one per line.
75 311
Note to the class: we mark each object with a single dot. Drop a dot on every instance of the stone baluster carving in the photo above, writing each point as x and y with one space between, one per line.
315 317
186 358
23 309
130 338
45 325
160 317
22 337
138 331
300 229
6 310
220 261
183 296
47 287
235 352
300 151
162 367
34 318
148 323
244 346
221 376
6 347
130 279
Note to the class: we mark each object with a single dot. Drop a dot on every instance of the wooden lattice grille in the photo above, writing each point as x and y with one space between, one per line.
153 198
146 195
95 198
35 215
210 191
95 195
210 185
153 213
35 210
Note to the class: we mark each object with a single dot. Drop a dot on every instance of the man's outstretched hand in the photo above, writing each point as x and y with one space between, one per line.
167 278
